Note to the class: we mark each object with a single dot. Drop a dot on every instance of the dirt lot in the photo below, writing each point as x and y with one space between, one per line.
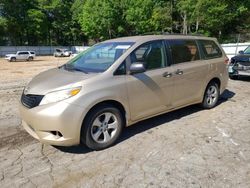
190 147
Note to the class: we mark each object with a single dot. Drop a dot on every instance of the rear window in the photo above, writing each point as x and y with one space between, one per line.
184 51
210 49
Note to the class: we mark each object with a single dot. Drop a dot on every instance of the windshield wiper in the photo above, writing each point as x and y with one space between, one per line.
72 68
80 70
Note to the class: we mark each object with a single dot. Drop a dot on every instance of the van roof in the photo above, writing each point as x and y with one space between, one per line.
157 37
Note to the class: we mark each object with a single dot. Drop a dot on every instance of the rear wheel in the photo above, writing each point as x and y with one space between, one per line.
102 127
211 96
30 58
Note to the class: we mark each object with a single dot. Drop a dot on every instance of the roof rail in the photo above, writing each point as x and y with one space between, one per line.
167 33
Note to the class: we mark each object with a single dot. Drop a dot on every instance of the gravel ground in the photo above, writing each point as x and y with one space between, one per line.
190 147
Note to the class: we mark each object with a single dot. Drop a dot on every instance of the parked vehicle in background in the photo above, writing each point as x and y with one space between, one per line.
240 64
74 55
62 52
21 55
119 82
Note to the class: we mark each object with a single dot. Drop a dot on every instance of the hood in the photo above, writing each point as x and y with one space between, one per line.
10 55
242 58
55 79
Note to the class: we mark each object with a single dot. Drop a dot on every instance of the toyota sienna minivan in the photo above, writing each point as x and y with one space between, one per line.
118 82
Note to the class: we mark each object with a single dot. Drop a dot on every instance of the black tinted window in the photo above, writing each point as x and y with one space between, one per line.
152 54
210 49
121 70
184 51
23 53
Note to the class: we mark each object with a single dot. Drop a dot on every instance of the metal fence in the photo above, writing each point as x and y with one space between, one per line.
233 49
39 50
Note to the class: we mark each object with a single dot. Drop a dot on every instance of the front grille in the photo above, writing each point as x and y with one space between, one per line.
241 66
31 101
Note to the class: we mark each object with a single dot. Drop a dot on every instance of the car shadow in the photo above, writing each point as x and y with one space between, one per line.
150 123
153 122
244 78
36 60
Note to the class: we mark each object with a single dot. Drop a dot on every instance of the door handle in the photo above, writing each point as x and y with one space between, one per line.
167 74
179 72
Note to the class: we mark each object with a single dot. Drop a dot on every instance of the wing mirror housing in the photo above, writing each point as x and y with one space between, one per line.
137 67
241 52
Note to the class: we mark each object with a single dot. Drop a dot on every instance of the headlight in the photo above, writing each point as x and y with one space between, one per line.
60 95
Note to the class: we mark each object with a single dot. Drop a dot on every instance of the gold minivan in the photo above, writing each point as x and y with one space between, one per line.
119 82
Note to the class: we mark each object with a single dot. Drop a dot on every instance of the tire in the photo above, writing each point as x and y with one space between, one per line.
211 96
30 58
13 59
102 127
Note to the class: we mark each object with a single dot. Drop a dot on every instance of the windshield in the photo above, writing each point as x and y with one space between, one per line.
98 58
247 50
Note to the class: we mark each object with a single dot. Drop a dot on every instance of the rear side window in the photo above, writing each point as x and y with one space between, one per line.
32 52
210 49
183 51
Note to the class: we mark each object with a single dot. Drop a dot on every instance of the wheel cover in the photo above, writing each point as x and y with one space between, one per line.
212 95
104 127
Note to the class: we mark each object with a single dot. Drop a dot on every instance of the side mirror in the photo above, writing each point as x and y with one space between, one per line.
137 67
241 52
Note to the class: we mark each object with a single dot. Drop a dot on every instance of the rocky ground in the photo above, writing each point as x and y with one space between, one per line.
190 147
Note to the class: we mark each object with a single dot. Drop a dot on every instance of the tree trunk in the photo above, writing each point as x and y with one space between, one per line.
197 25
185 29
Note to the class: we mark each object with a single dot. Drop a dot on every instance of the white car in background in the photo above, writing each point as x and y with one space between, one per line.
62 52
21 55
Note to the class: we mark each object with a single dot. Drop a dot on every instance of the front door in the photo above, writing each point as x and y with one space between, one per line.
22 55
150 92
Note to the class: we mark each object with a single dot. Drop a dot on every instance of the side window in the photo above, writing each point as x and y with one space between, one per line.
23 53
184 51
210 49
121 69
152 54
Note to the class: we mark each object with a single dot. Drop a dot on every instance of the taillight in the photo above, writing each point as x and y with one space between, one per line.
226 61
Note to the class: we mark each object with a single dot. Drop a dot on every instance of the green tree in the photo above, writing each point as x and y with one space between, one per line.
161 19
37 25
3 25
210 17
102 19
15 12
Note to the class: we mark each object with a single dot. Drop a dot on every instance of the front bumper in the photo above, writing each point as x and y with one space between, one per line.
235 72
55 124
7 58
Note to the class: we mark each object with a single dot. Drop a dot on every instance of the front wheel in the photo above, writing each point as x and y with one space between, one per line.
211 96
13 59
102 127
